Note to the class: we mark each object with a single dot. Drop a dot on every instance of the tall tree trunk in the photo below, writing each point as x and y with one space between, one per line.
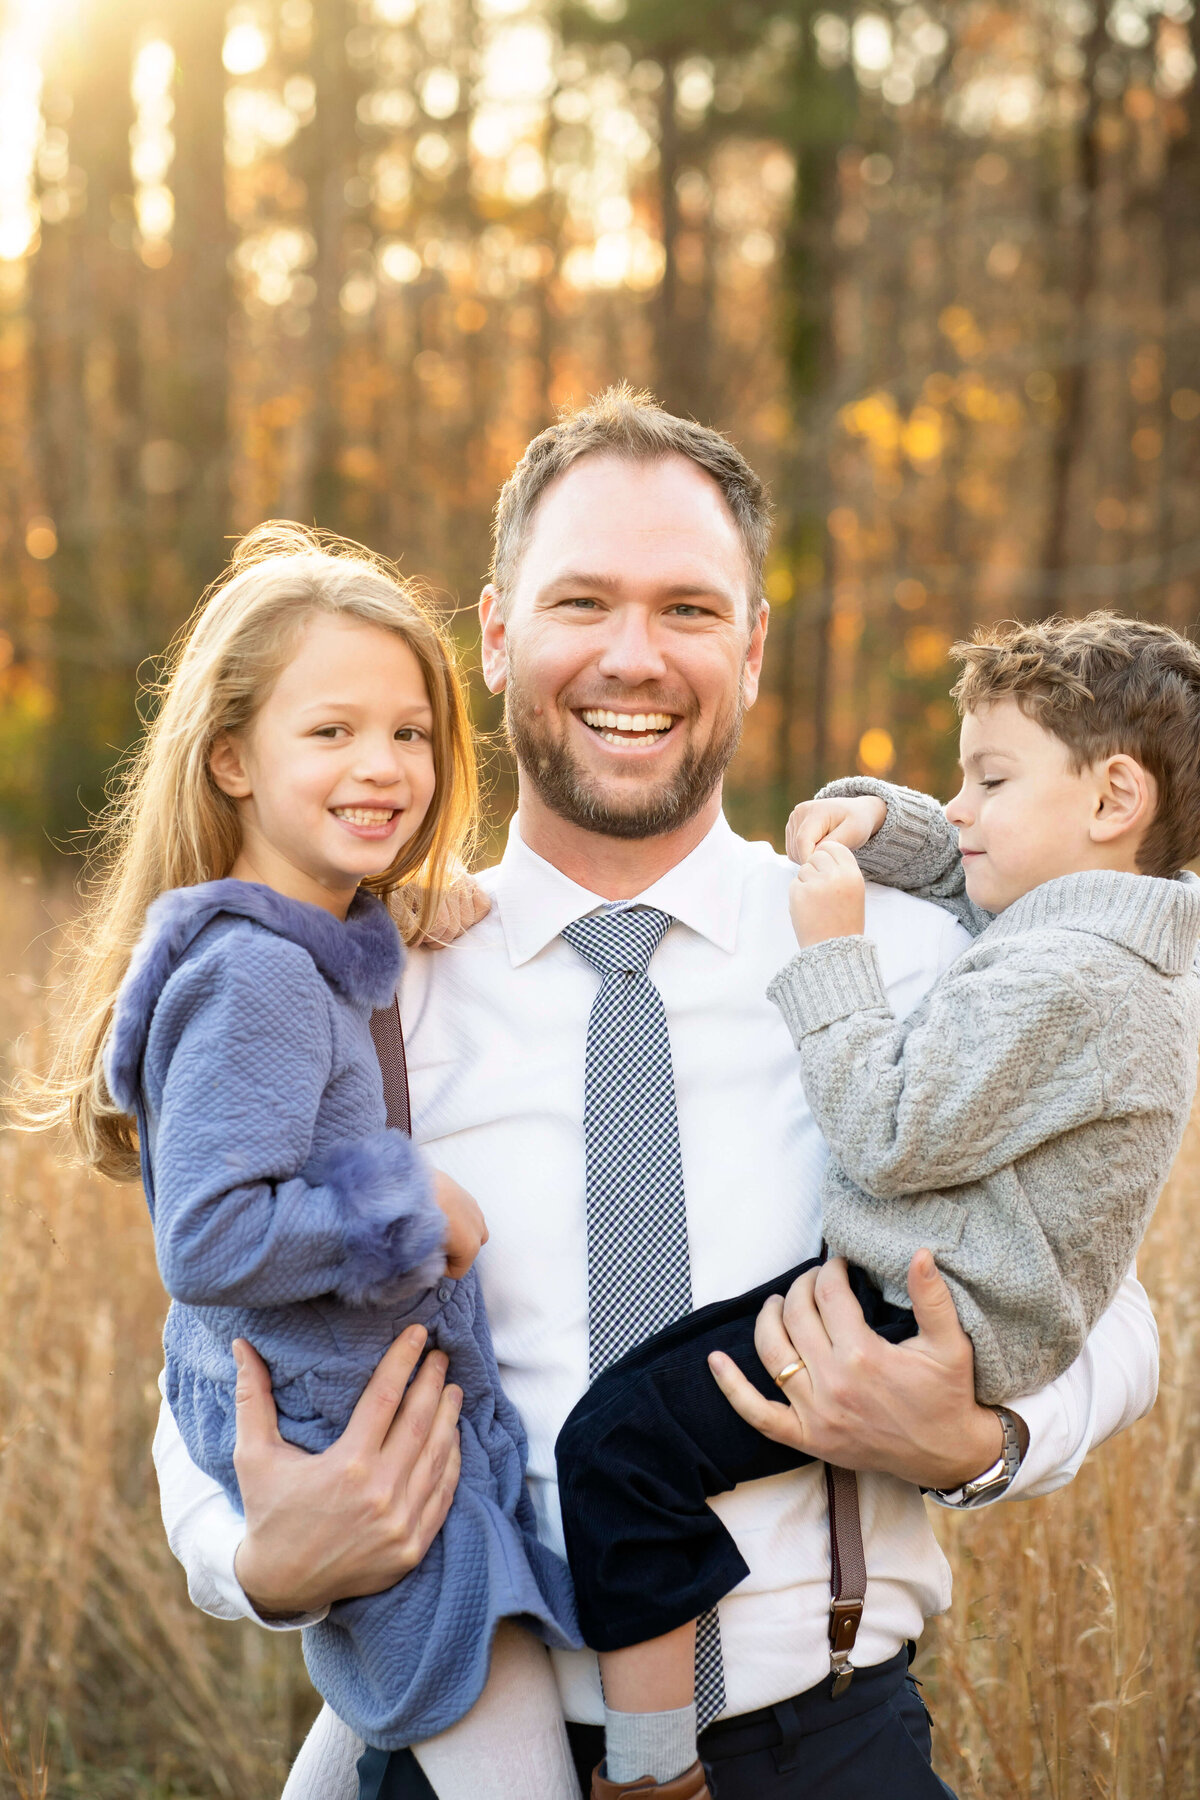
100 565
1179 211
202 291
1072 379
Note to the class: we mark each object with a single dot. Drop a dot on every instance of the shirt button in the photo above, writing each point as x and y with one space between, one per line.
444 1292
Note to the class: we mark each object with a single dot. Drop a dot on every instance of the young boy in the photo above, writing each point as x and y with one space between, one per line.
1019 1123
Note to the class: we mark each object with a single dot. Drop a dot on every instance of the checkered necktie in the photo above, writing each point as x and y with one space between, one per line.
638 1274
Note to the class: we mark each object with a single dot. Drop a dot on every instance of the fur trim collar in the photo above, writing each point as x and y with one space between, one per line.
361 957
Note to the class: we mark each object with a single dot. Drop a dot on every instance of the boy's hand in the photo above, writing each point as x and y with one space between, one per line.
850 822
466 1229
463 905
827 898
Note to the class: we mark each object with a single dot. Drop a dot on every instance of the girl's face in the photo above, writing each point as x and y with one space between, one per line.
336 771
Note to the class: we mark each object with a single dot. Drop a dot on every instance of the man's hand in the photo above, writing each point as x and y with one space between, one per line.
466 1228
859 1402
850 822
362 1514
828 897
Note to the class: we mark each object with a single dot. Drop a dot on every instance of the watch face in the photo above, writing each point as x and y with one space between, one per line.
994 1478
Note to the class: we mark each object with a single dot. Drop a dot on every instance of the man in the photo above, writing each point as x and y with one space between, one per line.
625 625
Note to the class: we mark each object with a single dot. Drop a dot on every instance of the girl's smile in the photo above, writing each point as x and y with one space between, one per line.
372 823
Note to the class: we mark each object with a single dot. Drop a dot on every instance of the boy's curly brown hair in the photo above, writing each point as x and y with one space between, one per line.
1104 684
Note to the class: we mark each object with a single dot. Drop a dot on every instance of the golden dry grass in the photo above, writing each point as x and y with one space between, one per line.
137 1692
1069 1666
1067 1669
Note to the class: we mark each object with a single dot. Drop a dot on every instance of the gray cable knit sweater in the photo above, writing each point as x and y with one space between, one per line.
1022 1120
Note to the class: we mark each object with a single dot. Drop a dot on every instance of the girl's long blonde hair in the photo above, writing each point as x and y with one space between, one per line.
168 825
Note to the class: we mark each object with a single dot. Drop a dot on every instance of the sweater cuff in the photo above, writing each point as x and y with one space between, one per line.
911 844
828 981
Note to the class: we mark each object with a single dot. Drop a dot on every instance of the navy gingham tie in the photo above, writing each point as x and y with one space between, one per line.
639 1278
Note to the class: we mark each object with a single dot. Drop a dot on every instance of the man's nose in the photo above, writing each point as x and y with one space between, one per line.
631 653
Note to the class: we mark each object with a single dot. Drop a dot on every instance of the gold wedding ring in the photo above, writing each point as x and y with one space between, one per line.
793 1368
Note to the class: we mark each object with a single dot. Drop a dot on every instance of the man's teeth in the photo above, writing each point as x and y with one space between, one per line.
627 728
364 815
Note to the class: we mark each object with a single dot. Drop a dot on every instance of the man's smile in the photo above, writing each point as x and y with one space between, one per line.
627 730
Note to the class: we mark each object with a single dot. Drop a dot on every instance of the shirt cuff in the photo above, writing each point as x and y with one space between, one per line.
1054 1454
216 1588
826 982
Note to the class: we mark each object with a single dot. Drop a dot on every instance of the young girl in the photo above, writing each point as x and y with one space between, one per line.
312 753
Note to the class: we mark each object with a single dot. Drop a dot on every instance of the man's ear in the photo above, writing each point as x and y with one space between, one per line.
1126 795
494 640
228 767
752 668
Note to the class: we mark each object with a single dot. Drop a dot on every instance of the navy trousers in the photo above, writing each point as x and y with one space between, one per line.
872 1743
647 1447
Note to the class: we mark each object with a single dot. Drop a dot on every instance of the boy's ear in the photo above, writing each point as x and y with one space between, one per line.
1126 796
228 769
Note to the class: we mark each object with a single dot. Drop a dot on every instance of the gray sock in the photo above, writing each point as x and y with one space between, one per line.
661 1744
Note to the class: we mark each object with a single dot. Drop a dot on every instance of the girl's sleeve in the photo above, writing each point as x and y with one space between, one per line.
999 1061
240 1053
915 849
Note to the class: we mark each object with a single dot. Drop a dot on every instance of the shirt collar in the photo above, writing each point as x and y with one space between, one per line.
536 900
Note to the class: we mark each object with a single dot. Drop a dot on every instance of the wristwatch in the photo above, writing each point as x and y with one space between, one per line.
994 1481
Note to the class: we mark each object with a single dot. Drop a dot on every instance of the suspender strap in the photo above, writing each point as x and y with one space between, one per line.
847 1575
389 1048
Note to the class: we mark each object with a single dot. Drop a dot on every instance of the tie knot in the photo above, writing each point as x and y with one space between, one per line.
621 941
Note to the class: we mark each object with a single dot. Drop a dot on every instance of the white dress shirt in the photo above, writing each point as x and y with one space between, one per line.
496 1027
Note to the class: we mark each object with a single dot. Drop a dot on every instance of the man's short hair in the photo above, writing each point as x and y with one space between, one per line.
623 422
1105 685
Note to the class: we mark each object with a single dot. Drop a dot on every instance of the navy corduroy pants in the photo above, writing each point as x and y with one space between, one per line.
647 1447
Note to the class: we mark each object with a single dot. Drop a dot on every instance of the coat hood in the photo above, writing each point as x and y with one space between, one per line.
362 957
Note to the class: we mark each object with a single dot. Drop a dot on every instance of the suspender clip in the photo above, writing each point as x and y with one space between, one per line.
844 1619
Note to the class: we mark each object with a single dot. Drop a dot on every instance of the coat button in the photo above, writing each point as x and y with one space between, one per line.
444 1292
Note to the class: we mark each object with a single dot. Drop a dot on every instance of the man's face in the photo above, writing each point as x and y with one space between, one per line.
629 647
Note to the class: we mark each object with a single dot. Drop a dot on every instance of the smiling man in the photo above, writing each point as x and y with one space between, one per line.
598 1063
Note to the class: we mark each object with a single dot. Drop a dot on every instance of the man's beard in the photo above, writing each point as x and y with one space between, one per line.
576 796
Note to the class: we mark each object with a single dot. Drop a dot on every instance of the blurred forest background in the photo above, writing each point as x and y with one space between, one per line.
936 267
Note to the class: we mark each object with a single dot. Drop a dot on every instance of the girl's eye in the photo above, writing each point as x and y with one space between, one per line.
328 731
409 734
993 781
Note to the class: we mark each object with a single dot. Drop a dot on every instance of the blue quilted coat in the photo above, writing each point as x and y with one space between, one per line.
285 1212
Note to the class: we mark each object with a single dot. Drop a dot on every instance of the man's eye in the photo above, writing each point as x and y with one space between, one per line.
581 602
685 610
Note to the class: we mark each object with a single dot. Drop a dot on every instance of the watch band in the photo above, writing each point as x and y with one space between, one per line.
994 1481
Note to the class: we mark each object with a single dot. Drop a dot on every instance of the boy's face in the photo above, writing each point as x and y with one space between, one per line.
1024 813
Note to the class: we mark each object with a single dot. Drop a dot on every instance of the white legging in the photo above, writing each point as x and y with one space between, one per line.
512 1745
